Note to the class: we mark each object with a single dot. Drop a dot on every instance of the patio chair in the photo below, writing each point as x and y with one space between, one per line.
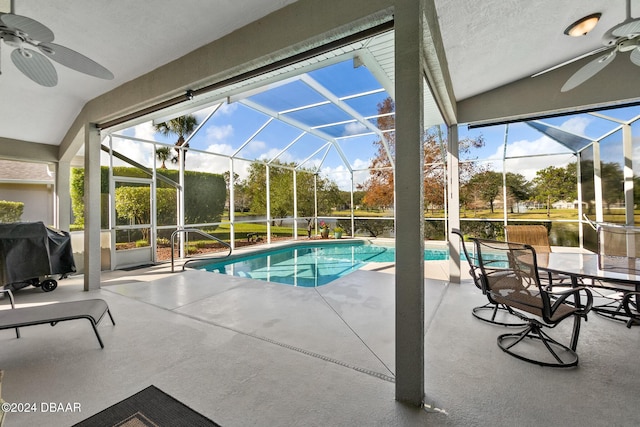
534 235
631 305
511 273
618 250
12 302
492 312
538 237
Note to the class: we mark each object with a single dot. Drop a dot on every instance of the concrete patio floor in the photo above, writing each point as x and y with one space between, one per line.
244 352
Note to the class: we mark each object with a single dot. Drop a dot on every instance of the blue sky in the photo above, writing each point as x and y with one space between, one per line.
522 140
233 124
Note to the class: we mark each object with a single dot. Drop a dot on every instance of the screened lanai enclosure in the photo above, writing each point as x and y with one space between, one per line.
286 153
566 172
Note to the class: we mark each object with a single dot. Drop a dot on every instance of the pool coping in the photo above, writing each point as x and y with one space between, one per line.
196 262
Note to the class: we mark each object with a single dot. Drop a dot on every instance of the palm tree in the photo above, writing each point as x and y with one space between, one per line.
163 154
182 127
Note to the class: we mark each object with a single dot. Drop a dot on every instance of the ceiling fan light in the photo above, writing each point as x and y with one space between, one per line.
583 25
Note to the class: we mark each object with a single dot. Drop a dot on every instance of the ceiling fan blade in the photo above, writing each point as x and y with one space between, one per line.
635 56
631 26
74 60
577 58
29 26
588 71
35 66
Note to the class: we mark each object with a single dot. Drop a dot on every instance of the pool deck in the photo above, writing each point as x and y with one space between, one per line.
244 352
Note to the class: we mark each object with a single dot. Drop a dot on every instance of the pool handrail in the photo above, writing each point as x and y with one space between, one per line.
200 232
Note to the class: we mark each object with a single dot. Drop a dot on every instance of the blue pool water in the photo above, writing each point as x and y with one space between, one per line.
310 265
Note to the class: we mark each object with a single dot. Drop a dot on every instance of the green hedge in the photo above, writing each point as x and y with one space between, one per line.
205 194
132 203
77 197
10 211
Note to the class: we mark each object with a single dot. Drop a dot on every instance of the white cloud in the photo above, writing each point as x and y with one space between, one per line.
361 164
355 128
529 166
311 164
225 149
541 146
203 162
219 133
636 154
342 177
533 155
202 114
242 169
271 153
228 109
257 146
137 151
576 125
144 131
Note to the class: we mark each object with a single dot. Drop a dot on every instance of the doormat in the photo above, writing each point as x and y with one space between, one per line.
150 407
137 267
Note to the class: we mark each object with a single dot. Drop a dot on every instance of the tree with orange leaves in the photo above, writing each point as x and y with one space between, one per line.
379 188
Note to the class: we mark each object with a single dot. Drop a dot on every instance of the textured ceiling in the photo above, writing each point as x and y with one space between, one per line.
130 38
487 44
494 42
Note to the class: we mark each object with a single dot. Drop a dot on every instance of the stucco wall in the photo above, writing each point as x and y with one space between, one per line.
37 199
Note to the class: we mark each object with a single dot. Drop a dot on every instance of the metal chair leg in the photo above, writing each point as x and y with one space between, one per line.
13 305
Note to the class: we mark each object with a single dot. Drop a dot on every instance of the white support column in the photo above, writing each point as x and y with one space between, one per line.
504 175
627 149
315 203
92 209
295 205
112 207
268 190
232 204
580 208
453 202
409 202
597 182
62 208
182 238
353 220
153 192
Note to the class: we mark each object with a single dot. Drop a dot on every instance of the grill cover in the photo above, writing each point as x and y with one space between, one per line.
30 250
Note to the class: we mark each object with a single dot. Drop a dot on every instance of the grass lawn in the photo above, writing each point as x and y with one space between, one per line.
223 231
532 214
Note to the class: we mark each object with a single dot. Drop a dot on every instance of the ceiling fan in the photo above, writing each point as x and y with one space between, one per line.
623 37
22 33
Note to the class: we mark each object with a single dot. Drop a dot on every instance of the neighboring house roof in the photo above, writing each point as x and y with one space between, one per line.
25 172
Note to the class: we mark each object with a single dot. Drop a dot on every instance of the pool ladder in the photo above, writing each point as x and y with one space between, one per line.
200 232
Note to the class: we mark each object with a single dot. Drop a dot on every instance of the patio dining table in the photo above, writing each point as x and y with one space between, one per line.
617 274
620 273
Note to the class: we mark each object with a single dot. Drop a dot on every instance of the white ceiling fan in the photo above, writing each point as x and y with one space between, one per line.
623 37
22 33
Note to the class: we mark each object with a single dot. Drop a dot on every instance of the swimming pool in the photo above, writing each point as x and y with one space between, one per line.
310 265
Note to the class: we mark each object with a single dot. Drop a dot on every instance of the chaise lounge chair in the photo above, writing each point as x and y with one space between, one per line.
91 309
